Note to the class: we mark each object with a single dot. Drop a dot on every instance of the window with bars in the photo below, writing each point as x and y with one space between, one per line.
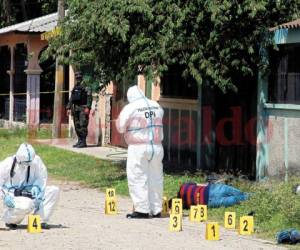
284 80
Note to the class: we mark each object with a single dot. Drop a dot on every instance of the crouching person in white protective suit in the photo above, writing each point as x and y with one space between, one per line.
23 179
141 122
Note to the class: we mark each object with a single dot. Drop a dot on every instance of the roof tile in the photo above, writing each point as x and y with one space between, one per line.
290 25
40 24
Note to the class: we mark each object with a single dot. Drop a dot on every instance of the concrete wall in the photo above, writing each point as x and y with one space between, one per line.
284 146
276 147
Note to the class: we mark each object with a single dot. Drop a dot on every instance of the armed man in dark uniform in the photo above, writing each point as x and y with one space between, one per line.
79 107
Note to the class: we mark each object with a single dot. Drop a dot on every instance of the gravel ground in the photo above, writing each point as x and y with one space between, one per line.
79 222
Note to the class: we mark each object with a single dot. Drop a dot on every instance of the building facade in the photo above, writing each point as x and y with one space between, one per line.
252 132
279 106
27 83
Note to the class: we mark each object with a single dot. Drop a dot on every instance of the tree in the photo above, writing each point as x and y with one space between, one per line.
14 11
214 40
5 14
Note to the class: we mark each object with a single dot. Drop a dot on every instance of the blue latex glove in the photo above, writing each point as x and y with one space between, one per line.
35 191
9 201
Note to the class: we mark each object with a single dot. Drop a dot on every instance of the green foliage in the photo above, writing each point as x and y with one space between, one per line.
12 133
14 11
216 41
289 203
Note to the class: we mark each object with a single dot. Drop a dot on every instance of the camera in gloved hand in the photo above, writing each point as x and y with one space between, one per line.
22 192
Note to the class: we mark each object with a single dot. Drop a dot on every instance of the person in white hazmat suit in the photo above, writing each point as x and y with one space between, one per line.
23 180
142 125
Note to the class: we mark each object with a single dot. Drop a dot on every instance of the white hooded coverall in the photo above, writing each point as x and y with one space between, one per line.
38 177
141 121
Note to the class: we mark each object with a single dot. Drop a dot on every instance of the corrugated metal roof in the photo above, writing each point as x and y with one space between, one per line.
40 24
290 25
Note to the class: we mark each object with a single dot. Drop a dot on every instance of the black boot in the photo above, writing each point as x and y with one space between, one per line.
137 215
77 143
156 215
82 143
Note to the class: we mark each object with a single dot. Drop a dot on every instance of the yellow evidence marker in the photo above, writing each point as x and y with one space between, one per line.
34 224
111 206
175 223
212 231
198 213
176 206
165 206
203 212
110 201
110 193
229 220
246 225
194 214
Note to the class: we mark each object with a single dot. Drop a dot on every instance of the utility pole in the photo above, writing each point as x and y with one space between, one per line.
59 83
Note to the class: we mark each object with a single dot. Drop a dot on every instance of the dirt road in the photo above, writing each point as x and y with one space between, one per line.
79 223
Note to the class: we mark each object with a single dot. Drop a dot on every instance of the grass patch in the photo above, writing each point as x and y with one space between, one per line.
274 204
68 165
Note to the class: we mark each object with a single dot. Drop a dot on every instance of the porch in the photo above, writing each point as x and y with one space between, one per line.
26 83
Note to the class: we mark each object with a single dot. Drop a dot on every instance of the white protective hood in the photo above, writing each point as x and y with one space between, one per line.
134 93
25 153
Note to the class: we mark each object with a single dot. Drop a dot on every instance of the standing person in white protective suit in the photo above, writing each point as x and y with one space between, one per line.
23 179
141 122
